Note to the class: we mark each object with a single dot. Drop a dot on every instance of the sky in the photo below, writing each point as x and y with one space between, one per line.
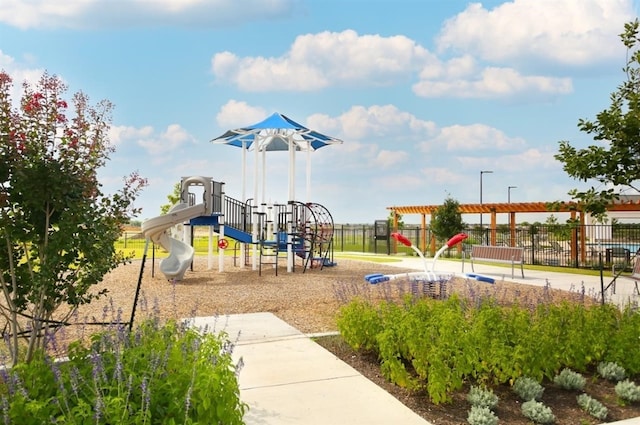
424 94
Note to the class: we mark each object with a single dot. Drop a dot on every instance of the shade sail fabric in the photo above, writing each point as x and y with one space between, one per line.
277 133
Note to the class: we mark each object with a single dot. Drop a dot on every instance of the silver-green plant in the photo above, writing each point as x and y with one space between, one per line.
537 412
482 397
611 371
528 388
628 391
570 380
479 415
592 406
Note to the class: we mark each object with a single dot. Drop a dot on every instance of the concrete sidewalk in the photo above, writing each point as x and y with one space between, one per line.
289 379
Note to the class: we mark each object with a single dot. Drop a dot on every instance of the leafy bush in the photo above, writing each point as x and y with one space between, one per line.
628 391
592 407
440 344
538 412
482 397
570 380
623 347
479 415
155 374
611 371
359 325
528 388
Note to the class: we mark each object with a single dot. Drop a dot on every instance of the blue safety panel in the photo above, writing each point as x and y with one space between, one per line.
205 220
229 232
236 234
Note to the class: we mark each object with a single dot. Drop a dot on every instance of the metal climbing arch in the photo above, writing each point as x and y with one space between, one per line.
312 228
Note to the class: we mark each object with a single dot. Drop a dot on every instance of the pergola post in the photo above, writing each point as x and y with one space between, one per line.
512 229
494 225
423 231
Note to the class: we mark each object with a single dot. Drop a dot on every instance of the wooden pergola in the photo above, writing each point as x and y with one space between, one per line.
512 209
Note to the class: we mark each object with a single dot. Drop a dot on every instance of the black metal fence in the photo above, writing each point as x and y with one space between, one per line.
561 245
558 244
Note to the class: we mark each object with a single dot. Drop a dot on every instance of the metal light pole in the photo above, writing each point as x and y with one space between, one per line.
509 192
509 200
481 229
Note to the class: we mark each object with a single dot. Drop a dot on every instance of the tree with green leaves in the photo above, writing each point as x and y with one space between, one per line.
173 198
391 219
58 229
446 220
615 161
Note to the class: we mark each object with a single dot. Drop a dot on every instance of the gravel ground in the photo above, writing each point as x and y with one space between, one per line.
306 300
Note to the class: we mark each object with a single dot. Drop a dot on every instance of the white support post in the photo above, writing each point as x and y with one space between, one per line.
210 249
221 232
254 238
290 257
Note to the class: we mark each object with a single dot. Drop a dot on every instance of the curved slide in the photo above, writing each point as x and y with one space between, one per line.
180 253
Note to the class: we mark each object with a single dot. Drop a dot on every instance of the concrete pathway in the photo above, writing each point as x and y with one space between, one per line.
289 379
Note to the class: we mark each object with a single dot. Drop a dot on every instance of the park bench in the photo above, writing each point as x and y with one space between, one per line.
497 254
635 274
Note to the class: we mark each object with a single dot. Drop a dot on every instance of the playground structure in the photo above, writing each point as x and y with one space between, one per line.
263 233
433 282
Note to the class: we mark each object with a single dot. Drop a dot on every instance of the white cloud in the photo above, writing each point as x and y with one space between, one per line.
387 159
236 114
329 59
566 32
475 137
101 14
118 135
383 122
157 145
463 78
532 159
317 61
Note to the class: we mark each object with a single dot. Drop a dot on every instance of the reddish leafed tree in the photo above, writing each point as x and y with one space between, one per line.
57 227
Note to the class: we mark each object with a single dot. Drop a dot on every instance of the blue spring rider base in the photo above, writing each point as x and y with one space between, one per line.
480 278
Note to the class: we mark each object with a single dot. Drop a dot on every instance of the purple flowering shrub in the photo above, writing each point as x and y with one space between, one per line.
154 374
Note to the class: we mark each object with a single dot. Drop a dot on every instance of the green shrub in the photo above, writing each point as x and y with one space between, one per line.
570 380
438 345
479 415
592 406
538 412
628 391
482 397
528 388
359 323
155 374
611 371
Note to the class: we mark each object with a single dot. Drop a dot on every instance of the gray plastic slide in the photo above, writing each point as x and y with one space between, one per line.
180 253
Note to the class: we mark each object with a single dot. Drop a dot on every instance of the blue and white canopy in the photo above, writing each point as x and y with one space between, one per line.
276 133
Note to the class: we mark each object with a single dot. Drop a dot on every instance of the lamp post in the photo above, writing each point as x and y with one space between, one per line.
481 229
509 200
